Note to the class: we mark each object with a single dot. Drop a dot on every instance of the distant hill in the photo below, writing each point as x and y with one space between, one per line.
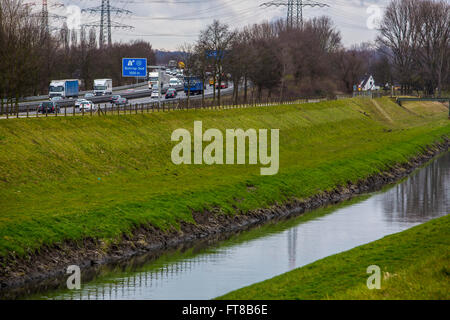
163 57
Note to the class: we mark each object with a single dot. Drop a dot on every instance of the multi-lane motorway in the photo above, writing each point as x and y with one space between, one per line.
138 95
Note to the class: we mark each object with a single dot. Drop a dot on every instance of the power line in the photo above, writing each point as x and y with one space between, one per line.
45 16
294 9
106 24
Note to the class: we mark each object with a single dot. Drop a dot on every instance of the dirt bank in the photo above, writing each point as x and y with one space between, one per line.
51 262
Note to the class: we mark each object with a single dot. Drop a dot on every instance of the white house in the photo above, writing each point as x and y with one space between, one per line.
368 84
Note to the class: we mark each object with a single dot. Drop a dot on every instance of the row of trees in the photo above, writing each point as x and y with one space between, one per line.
415 36
412 51
31 56
275 59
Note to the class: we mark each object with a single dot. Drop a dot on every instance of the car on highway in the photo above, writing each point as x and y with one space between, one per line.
176 84
114 98
87 106
89 95
223 85
56 99
78 102
120 101
48 107
130 91
155 94
171 93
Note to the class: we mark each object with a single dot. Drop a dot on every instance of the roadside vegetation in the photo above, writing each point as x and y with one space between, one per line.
101 177
414 265
278 59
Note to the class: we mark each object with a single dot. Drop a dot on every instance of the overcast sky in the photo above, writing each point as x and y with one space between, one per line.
168 23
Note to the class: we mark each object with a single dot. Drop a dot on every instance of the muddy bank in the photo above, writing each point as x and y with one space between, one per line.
51 263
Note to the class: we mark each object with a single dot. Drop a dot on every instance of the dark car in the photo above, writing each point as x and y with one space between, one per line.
171 93
48 107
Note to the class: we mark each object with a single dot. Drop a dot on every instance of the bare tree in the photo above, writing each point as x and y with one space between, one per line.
19 50
398 34
216 40
352 64
187 55
433 25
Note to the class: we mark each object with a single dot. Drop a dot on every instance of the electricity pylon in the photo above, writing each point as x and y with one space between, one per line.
105 24
294 9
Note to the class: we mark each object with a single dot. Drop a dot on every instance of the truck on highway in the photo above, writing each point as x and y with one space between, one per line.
64 88
153 79
193 85
158 75
103 87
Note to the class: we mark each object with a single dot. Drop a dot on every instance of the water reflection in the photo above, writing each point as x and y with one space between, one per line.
425 194
206 272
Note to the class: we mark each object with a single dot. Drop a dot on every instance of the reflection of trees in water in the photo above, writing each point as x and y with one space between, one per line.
292 247
138 284
423 194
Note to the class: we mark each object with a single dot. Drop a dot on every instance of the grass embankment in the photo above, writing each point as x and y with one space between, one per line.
73 178
415 264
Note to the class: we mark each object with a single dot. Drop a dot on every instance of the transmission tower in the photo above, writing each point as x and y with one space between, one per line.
294 9
105 24
45 17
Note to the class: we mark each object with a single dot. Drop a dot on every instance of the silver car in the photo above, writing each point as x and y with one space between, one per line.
79 102
56 99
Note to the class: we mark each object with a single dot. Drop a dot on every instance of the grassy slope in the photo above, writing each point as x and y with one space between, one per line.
99 177
415 265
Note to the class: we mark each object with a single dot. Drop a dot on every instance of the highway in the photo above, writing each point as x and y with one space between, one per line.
67 102
136 96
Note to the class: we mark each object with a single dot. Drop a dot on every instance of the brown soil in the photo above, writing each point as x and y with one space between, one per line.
51 262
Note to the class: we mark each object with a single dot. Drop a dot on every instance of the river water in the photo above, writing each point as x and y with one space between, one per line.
214 268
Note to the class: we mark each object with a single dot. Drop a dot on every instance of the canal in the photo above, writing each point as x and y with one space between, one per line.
213 268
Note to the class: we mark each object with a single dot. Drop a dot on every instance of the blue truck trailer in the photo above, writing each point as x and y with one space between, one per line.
195 84
64 89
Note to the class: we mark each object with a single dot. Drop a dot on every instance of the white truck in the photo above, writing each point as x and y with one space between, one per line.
103 87
156 76
64 88
153 79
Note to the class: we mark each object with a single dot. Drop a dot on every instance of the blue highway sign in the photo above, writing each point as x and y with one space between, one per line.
134 67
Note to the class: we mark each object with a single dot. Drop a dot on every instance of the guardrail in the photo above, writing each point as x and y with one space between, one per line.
23 107
45 97
70 102
195 102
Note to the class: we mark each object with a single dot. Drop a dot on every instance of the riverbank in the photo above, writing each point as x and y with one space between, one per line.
109 190
414 265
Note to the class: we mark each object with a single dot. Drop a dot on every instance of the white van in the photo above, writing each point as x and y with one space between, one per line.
103 87
176 83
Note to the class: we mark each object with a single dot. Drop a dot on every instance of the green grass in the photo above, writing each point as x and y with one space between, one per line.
414 265
74 178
